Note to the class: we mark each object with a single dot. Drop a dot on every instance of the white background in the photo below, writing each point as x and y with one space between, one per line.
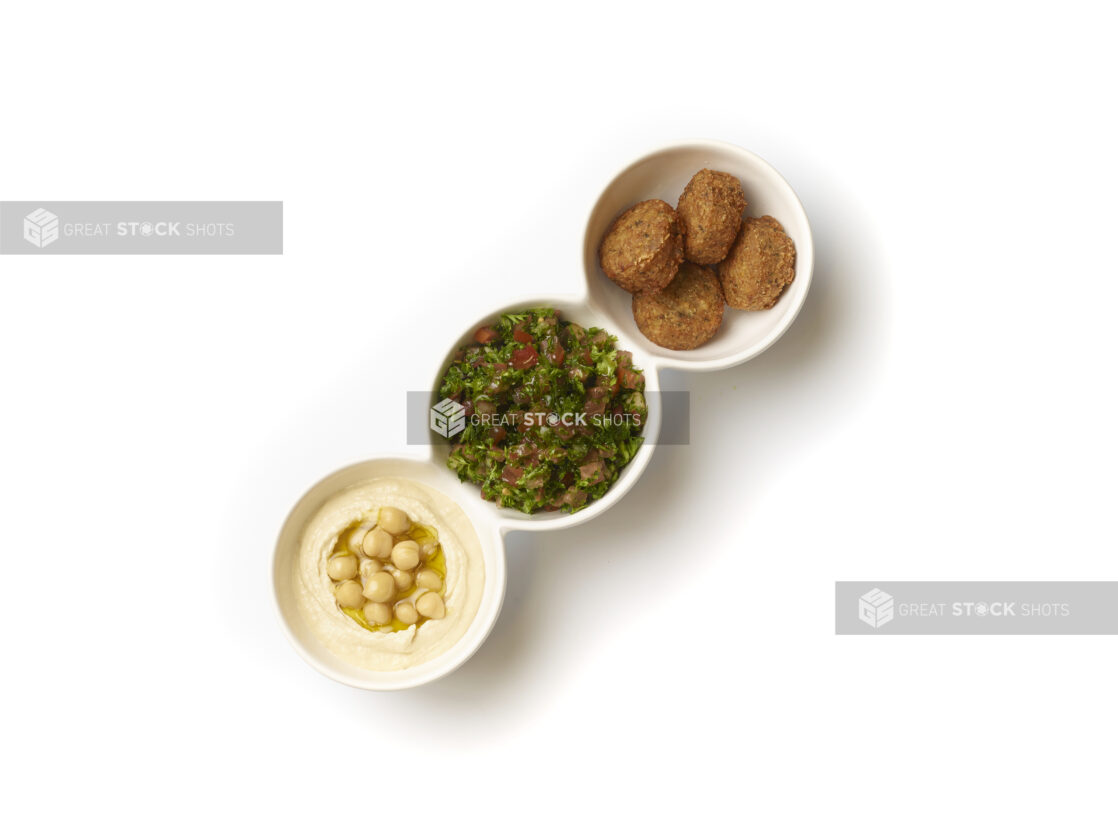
942 409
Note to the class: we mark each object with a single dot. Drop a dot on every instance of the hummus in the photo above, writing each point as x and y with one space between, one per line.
387 648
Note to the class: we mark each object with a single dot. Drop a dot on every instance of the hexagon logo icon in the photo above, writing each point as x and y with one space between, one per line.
875 608
448 418
40 228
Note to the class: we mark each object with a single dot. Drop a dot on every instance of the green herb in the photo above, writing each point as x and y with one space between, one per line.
556 412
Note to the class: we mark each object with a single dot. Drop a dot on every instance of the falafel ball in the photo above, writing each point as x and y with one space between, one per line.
643 248
710 215
686 313
760 265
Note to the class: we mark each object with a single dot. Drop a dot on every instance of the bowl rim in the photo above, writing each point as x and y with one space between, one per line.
805 251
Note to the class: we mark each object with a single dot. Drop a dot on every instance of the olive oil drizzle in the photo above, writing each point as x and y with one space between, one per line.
422 534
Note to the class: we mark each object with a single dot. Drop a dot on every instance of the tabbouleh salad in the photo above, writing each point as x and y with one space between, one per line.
554 411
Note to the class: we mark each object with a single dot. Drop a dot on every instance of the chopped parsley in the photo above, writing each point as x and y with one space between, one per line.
554 411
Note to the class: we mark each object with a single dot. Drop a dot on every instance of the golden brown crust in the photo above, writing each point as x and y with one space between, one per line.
710 215
760 265
686 313
643 248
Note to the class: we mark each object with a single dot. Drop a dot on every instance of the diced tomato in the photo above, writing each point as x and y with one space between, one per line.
485 335
527 452
563 432
573 497
630 379
554 351
511 475
524 358
496 387
498 433
522 336
595 406
592 471
596 392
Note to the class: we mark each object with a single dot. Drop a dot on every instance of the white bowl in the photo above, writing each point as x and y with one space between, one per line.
662 174
659 174
284 569
573 310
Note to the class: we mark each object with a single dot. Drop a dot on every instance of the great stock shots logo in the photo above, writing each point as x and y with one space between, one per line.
448 418
141 227
976 608
40 228
875 608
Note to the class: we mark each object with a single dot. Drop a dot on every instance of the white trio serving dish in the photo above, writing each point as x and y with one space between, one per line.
660 174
